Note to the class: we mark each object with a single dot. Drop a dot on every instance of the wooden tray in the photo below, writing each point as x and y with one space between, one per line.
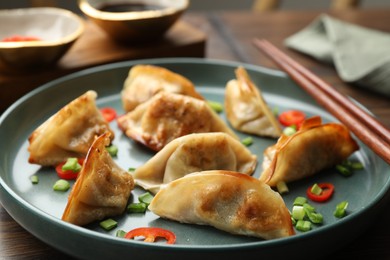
96 48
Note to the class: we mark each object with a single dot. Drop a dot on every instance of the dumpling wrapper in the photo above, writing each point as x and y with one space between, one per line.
193 153
102 188
314 147
167 116
229 201
144 81
246 109
68 133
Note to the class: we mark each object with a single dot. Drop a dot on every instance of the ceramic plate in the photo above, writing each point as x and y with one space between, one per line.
38 208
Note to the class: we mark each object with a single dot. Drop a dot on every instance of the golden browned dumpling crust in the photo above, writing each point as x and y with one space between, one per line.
246 109
102 188
193 153
229 201
167 116
314 147
68 133
145 81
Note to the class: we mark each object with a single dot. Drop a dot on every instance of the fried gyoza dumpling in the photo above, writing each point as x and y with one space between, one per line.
229 201
246 110
102 188
314 147
144 81
68 133
167 116
193 153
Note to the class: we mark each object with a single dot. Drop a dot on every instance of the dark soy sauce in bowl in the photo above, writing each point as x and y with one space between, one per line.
128 7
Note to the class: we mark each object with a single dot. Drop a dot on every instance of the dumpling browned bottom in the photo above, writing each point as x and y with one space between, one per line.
229 201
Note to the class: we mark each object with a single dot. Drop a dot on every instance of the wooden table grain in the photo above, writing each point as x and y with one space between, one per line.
229 36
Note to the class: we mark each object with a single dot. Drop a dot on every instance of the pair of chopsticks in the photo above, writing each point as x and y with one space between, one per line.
368 129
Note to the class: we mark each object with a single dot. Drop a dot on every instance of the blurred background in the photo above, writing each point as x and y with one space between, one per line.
198 5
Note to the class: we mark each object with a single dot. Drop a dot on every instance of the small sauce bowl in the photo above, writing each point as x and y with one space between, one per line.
56 30
134 21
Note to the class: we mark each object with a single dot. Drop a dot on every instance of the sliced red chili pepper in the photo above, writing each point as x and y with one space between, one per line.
68 174
108 113
326 194
150 234
292 117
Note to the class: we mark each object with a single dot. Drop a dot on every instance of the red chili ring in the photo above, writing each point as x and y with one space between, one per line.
151 233
326 194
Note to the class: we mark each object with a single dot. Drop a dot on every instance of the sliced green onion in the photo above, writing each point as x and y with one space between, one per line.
299 201
345 171
61 185
108 224
282 187
298 213
247 141
120 233
71 164
347 163
357 166
309 208
305 214
112 150
347 167
341 209
315 189
34 179
314 217
145 198
303 225
275 111
137 207
216 106
289 130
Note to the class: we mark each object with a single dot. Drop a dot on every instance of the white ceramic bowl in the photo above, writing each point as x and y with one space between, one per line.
56 28
136 25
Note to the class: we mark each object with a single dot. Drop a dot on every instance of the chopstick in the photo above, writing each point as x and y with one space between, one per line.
368 129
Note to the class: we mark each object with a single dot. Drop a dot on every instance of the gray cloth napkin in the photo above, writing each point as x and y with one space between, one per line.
360 55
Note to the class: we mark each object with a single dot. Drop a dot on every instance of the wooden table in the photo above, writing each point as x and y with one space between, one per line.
229 36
